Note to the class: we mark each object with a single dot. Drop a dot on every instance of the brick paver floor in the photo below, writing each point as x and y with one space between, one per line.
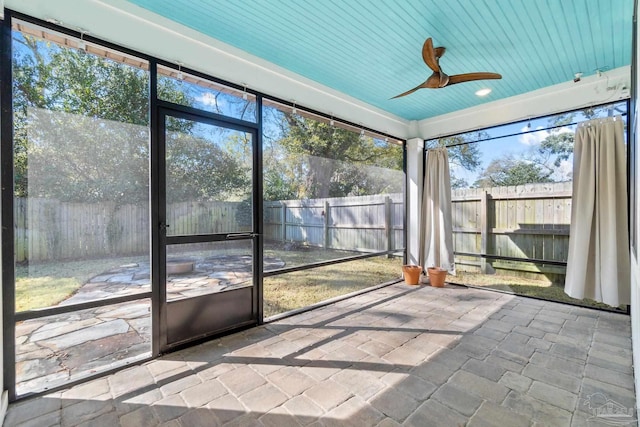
400 355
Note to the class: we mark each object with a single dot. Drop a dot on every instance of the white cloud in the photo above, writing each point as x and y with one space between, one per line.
535 138
209 99
564 172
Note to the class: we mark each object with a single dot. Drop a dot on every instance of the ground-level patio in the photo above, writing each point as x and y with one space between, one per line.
406 355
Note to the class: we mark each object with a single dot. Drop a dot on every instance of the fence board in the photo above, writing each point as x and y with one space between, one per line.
531 221
364 223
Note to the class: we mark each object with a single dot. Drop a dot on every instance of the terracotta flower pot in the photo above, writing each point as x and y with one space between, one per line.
436 276
411 274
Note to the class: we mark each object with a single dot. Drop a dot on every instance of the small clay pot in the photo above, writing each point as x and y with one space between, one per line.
411 274
436 276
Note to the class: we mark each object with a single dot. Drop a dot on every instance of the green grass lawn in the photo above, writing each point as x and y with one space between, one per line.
297 255
40 285
47 284
290 291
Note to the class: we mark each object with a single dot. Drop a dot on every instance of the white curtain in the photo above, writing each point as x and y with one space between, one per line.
436 234
598 260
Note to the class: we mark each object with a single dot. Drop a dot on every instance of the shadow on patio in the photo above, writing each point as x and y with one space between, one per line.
416 356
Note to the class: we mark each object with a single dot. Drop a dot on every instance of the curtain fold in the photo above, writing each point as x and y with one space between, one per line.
436 232
598 259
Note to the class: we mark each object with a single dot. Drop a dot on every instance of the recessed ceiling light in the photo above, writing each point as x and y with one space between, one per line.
483 92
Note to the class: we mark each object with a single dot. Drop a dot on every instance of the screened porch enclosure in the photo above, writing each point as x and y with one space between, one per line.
512 201
197 234
149 213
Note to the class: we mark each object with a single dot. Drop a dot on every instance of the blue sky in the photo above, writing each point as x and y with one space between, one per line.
522 145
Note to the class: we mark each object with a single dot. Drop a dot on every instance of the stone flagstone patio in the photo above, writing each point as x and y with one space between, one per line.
400 355
50 351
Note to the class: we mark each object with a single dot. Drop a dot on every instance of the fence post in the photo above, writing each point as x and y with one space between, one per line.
283 222
327 236
484 230
388 224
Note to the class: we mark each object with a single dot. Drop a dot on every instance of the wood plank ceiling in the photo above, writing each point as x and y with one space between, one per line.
371 50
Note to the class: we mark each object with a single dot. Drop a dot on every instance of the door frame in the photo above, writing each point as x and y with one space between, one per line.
161 240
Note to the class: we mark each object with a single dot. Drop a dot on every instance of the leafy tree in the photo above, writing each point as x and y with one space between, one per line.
458 182
81 130
463 154
306 158
79 159
559 144
507 170
283 176
278 185
198 169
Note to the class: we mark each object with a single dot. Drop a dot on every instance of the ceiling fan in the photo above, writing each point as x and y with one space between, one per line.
439 79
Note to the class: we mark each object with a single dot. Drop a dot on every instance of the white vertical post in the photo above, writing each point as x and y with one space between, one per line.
283 222
635 265
326 224
388 224
415 156
484 230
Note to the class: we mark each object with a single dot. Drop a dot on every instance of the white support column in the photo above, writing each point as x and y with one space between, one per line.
635 262
415 149
4 399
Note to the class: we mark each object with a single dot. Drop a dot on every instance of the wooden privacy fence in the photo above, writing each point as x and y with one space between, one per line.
529 221
47 229
363 223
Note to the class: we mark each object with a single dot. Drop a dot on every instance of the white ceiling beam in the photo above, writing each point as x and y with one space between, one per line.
123 23
592 90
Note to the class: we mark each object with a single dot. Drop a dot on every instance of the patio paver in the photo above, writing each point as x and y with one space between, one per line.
62 347
400 355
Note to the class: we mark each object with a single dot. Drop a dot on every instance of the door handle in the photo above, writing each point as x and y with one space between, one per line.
163 226
234 236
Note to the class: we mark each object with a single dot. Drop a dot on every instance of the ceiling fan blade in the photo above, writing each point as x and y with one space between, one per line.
439 79
410 91
435 80
429 55
443 79
461 78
